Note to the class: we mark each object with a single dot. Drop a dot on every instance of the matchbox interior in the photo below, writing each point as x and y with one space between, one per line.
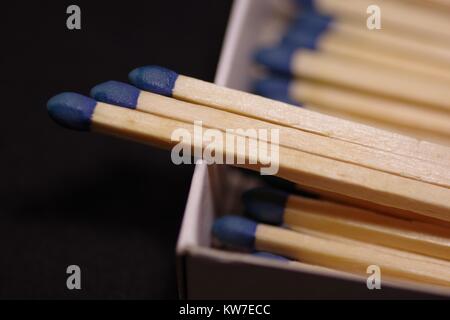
207 272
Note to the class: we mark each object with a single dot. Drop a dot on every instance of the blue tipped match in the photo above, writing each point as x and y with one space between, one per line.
117 93
302 37
72 110
275 88
154 79
235 231
270 256
306 4
314 22
266 205
278 58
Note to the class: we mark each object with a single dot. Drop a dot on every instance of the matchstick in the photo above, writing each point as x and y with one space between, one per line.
244 233
393 114
125 95
395 15
371 206
440 4
82 113
357 75
276 207
358 45
77 112
328 32
371 246
169 83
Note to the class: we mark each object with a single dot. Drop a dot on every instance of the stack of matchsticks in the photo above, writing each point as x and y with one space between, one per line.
315 231
396 188
333 59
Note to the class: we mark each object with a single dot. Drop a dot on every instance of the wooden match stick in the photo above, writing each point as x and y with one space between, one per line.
166 82
395 15
371 206
397 115
125 95
329 32
424 52
357 75
439 4
378 49
79 112
244 233
276 207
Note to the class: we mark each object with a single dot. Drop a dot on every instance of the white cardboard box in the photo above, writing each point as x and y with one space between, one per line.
208 273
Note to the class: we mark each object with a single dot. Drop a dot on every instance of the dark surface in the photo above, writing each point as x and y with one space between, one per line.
110 206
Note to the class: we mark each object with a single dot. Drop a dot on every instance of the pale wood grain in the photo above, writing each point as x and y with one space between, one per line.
367 226
379 51
296 139
372 206
426 51
297 166
395 14
350 258
412 118
370 78
205 93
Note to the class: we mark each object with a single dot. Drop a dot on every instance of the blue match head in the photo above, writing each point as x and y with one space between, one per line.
306 4
117 93
269 255
72 110
266 205
276 88
314 21
277 58
235 231
155 79
302 37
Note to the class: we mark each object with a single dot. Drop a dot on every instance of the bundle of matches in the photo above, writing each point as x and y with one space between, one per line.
318 151
396 78
315 150
338 237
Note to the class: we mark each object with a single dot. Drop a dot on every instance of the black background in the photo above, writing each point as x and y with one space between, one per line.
110 206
